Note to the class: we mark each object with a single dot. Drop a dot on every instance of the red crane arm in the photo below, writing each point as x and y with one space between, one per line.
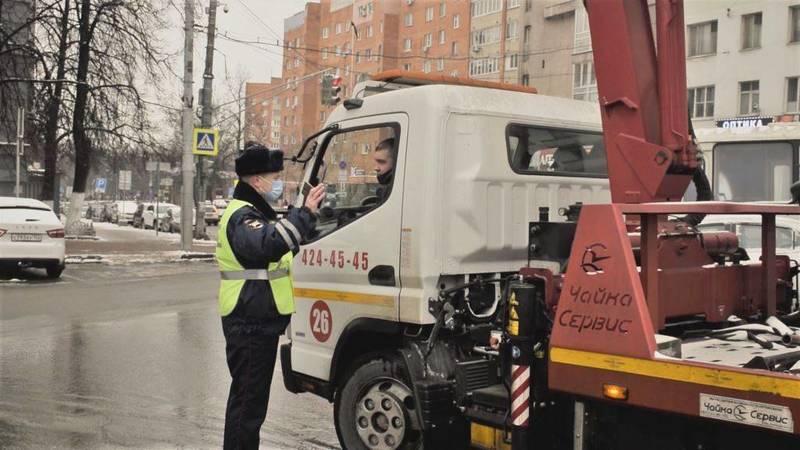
642 96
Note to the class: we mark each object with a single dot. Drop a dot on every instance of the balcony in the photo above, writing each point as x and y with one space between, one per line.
555 8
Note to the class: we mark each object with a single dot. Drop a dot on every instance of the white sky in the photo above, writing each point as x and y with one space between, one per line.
232 59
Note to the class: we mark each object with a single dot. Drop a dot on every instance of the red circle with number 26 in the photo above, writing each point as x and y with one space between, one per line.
320 320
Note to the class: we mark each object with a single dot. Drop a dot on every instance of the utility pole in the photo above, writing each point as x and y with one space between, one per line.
206 115
20 142
186 165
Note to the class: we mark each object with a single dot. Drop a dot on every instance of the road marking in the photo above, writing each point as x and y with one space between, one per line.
683 372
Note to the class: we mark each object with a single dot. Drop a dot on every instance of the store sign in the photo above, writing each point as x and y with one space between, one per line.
744 122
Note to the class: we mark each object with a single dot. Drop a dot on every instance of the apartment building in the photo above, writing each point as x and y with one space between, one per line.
262 118
557 49
743 61
496 40
434 36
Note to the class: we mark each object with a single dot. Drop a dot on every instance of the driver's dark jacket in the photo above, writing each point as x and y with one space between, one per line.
255 242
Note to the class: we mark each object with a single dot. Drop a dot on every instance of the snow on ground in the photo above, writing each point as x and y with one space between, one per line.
113 232
140 258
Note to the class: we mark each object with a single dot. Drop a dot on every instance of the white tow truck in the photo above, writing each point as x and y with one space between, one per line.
476 162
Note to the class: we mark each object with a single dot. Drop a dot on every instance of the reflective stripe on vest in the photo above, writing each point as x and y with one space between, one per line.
233 275
254 274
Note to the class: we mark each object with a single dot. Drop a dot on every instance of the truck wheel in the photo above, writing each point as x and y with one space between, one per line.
54 270
375 409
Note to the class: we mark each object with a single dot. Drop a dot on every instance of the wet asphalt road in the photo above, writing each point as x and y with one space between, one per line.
128 356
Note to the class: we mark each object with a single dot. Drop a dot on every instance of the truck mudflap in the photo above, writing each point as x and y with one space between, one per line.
297 383
289 378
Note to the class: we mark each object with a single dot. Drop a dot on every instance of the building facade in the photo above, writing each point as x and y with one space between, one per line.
557 50
434 36
262 120
496 40
743 60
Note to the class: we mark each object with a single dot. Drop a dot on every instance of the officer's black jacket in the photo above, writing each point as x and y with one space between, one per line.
255 242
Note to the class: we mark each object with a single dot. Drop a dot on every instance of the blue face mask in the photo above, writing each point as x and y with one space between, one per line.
276 192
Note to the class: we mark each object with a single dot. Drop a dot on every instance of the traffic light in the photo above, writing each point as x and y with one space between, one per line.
327 89
336 91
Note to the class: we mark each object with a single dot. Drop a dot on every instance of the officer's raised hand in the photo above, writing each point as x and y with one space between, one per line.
314 197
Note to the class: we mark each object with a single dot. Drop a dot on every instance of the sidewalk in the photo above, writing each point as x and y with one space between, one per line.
124 244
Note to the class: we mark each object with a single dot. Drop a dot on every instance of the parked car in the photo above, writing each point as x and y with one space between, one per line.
748 229
211 213
31 235
221 204
172 222
123 211
151 218
136 218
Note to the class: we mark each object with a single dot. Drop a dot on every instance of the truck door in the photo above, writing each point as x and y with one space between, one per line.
350 269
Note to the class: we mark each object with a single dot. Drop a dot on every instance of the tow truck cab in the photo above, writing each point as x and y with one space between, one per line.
474 166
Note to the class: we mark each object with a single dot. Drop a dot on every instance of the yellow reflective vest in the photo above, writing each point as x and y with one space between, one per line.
233 275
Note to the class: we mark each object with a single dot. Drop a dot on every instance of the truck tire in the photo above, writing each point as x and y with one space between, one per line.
375 409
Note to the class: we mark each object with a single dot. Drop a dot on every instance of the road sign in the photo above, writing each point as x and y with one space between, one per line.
125 180
100 185
205 142
153 166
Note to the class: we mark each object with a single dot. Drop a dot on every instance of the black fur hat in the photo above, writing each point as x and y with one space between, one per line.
257 159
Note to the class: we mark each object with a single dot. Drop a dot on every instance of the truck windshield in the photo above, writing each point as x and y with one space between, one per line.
554 151
753 171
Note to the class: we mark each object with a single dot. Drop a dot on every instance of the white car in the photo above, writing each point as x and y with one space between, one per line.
149 217
748 229
31 235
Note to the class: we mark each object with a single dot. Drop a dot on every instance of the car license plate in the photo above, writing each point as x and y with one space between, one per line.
26 237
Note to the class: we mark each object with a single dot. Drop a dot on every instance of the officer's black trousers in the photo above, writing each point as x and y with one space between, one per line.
251 361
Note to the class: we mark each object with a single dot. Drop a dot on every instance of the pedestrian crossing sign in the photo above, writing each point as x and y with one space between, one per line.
205 142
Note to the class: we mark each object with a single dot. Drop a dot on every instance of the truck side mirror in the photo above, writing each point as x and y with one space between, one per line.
795 190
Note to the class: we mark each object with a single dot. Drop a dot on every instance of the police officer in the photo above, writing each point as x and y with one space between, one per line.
254 252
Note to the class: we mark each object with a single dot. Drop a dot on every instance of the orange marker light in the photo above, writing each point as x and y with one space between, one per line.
615 392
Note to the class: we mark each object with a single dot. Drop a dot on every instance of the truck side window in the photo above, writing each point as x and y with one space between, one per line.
348 166
540 150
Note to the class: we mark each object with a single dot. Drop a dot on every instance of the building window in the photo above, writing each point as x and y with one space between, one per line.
702 38
511 29
368 54
512 61
442 8
406 67
325 33
429 14
454 49
294 103
583 39
336 50
322 116
440 65
584 84
426 66
526 35
407 44
408 20
751 31
748 97
380 52
338 28
324 53
442 37
701 102
427 41
484 66
358 57
513 4
456 21
793 94
526 80
297 62
454 73
486 36
369 30
483 7
794 24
